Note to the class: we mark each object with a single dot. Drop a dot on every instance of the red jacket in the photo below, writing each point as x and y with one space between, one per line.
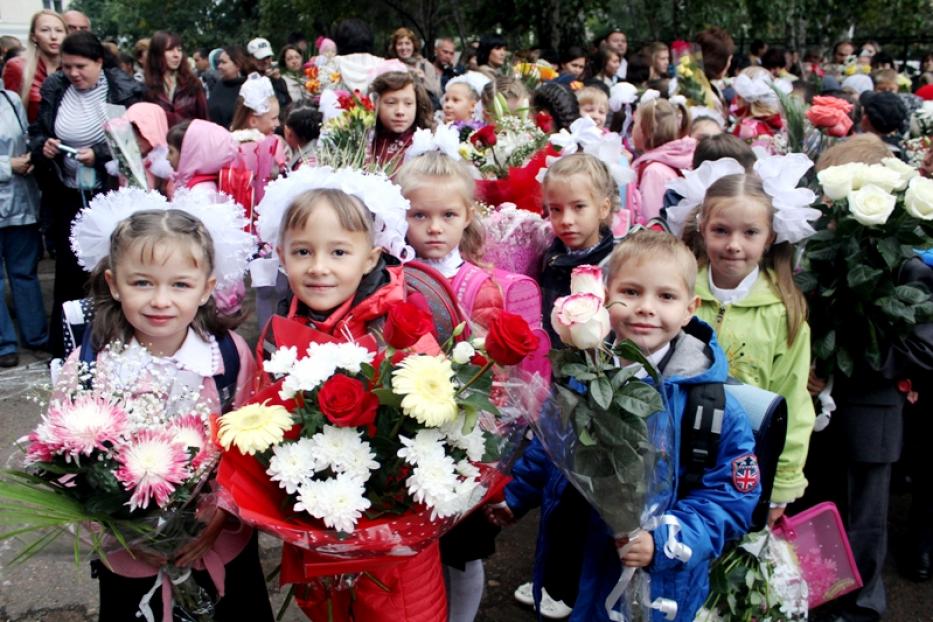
187 103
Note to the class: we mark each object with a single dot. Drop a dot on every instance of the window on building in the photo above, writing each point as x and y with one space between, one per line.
52 5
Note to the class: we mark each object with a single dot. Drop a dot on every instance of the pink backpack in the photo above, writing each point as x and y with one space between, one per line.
521 295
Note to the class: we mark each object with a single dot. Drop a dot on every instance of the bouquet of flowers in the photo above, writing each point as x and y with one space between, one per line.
878 214
533 74
121 139
321 74
605 427
921 128
508 143
116 468
692 82
362 456
349 123
516 239
757 579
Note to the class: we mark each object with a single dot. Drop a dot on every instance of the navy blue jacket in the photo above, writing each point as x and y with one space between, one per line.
710 516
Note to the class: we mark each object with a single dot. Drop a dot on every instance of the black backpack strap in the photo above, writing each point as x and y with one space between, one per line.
701 428
226 381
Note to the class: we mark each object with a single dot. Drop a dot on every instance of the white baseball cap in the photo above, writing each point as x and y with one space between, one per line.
259 48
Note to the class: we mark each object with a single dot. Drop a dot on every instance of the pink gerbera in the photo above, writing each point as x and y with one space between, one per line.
152 464
191 431
86 424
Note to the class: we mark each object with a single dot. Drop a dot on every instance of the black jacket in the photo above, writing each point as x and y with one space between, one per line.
556 267
122 90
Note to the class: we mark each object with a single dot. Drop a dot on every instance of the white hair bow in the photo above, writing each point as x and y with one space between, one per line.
256 92
754 89
586 137
622 94
792 212
648 96
582 132
693 186
444 139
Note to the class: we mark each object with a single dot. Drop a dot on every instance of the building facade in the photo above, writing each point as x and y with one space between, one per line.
15 14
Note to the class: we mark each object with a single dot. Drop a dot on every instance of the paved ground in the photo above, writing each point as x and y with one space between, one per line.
52 588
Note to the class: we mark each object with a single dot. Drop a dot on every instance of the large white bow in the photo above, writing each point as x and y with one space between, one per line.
693 186
256 93
445 139
754 89
792 205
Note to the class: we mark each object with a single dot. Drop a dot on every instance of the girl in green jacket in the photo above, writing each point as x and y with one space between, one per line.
747 293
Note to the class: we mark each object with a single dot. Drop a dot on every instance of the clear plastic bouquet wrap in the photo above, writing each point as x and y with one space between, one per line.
516 239
118 468
361 456
608 431
121 138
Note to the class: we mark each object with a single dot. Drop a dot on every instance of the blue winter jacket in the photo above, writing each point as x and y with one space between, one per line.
710 516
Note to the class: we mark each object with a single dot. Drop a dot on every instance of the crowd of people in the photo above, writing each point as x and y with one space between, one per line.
235 119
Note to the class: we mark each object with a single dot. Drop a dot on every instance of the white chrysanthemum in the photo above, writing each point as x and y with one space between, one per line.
350 356
357 461
307 374
474 444
466 495
333 445
281 361
292 464
428 443
338 501
433 480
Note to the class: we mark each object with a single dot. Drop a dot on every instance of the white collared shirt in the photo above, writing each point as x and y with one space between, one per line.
732 296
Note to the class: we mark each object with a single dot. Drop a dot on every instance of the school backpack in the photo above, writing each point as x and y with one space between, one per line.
521 295
702 425
440 297
235 180
77 317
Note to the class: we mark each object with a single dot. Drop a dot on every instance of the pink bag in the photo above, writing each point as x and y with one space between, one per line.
819 541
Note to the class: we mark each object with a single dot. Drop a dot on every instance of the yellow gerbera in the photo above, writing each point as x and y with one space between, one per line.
428 392
254 428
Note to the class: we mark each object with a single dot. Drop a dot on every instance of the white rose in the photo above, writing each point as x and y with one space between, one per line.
581 320
479 343
918 200
904 170
876 175
837 181
871 205
588 280
463 352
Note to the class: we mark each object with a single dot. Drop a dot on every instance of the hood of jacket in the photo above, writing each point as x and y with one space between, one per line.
151 122
677 154
697 357
205 150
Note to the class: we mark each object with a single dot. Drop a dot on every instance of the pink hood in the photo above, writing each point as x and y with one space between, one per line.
150 120
677 154
206 148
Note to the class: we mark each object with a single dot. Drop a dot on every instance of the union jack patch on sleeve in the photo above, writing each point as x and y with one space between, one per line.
745 473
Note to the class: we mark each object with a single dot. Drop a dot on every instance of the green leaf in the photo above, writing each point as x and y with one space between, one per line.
388 398
592 462
911 294
806 281
567 401
823 348
585 438
623 376
577 370
844 361
890 252
862 277
601 390
895 309
639 398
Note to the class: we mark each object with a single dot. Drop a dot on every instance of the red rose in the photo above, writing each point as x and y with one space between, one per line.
346 403
406 323
485 136
545 122
509 339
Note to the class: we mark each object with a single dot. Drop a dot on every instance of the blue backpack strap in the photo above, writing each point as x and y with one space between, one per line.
226 381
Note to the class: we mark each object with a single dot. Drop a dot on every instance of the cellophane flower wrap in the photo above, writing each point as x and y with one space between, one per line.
363 454
607 429
758 578
873 219
516 239
509 142
117 465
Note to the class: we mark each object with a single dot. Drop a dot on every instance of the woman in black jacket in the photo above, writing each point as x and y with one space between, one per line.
67 141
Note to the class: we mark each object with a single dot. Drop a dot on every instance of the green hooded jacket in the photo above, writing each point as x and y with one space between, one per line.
753 333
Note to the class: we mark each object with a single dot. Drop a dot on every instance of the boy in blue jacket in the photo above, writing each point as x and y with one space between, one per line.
653 275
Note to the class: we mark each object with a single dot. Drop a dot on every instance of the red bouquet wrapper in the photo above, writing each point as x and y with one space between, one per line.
519 187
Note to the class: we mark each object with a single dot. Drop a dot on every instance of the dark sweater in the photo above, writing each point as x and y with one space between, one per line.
222 101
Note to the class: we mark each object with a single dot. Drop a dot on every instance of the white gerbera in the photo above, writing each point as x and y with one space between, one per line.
281 361
338 501
428 443
292 464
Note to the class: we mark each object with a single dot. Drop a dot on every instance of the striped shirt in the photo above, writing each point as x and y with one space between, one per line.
80 121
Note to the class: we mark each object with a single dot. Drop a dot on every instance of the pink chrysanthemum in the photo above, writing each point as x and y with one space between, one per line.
86 424
191 431
43 445
152 464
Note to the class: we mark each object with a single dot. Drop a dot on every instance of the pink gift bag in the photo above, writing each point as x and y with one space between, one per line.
819 541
